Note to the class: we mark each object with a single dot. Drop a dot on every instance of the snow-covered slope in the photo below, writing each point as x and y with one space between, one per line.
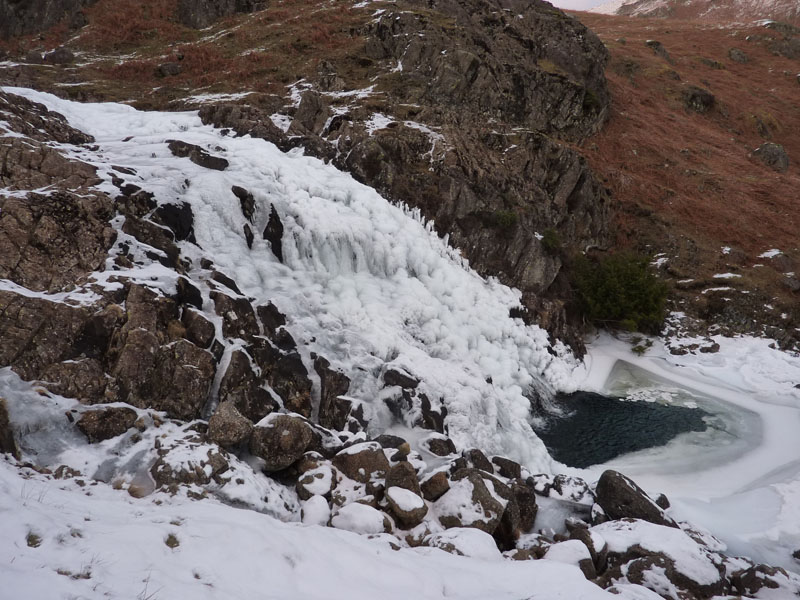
720 10
362 281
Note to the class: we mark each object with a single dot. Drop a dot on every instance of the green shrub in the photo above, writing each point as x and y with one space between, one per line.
504 219
620 291
550 241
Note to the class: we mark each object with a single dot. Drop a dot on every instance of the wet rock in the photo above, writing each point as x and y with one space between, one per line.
404 476
188 293
228 427
773 155
280 441
333 410
273 233
620 498
435 486
406 505
197 155
662 501
698 99
362 462
478 459
178 218
286 374
246 201
507 467
106 423
439 444
8 444
48 243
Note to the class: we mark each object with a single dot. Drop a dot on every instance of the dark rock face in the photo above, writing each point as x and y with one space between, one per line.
202 13
333 410
621 498
273 233
197 155
32 16
280 442
773 155
106 423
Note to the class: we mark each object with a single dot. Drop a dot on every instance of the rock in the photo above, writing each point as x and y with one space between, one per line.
362 462
796 555
773 156
168 69
178 218
434 486
197 155
241 386
400 378
360 518
404 476
406 505
280 440
620 498
319 481
246 201
238 317
153 235
388 441
333 410
199 14
33 16
60 56
106 423
228 427
598 549
574 489
8 444
469 503
507 467
169 473
698 99
662 501
273 233
525 499
751 581
737 56
658 49
287 375
478 459
48 243
199 330
438 444
573 552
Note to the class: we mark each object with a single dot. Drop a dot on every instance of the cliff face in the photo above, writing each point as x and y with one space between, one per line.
466 110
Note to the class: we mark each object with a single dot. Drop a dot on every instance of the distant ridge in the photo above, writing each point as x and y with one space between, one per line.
706 10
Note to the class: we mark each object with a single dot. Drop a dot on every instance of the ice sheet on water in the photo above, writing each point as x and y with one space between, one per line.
363 281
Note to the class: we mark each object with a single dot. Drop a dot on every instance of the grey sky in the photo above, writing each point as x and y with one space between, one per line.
577 4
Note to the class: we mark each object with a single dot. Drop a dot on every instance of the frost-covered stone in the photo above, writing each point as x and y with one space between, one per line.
362 462
280 440
360 518
409 508
319 482
470 503
465 541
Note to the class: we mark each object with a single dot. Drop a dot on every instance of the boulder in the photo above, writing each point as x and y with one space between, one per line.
478 460
438 444
106 423
60 56
319 481
773 155
751 581
362 462
434 486
178 217
406 505
507 467
197 155
525 498
620 498
280 440
228 427
404 476
698 99
737 55
470 503
199 330
169 472
7 442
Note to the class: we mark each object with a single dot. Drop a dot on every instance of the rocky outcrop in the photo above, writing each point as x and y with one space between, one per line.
202 13
32 16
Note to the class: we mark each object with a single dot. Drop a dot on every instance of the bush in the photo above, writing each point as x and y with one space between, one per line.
551 241
504 219
620 291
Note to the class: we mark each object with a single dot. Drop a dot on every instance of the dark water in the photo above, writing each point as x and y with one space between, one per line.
597 428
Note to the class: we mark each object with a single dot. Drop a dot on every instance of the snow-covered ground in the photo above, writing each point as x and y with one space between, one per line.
741 478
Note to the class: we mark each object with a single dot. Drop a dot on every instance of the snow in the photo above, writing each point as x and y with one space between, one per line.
467 541
364 281
570 552
404 499
316 511
359 518
770 253
726 276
